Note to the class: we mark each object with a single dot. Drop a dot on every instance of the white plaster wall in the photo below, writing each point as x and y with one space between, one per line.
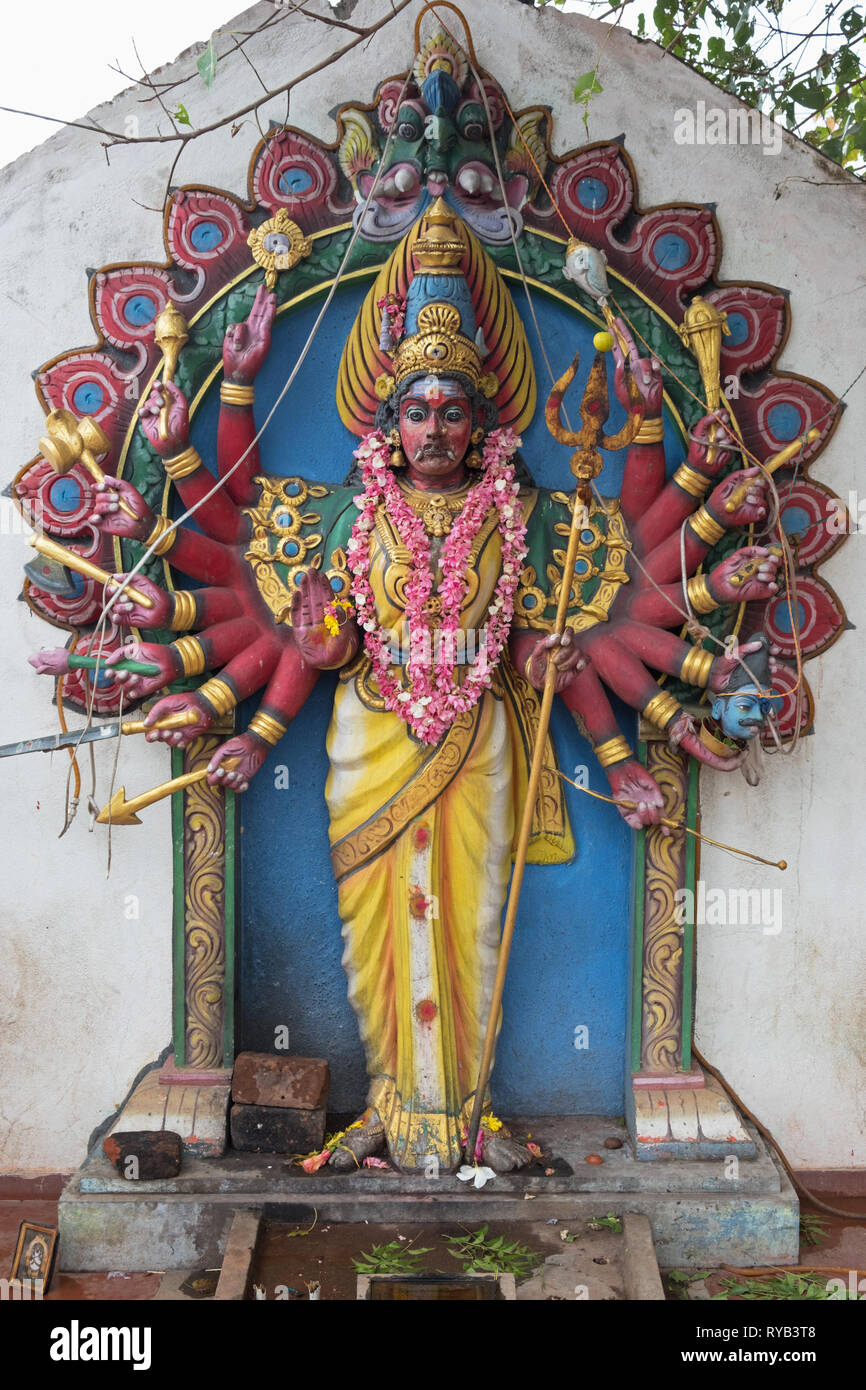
85 995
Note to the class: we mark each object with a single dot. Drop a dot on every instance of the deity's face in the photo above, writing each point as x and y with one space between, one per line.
435 425
742 715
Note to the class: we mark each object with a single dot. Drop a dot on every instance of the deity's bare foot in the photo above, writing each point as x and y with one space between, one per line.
502 1154
358 1144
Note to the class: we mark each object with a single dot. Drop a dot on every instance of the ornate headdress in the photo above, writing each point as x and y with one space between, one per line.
441 336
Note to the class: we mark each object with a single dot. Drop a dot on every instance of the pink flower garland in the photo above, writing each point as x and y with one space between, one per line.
431 701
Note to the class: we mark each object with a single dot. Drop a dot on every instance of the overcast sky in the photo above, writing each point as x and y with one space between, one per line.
56 55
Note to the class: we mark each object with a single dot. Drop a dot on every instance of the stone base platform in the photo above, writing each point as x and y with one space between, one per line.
703 1212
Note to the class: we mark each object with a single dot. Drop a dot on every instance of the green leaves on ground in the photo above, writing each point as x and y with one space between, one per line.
396 1257
479 1255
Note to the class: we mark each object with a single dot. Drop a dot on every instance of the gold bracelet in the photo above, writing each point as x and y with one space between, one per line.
650 432
218 694
613 750
268 728
236 393
161 542
661 709
191 654
691 481
699 595
695 670
705 526
526 669
182 464
185 612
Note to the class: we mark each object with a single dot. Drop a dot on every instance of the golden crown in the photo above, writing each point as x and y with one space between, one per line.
438 348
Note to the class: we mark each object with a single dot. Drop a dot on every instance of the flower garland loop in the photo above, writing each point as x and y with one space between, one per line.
431 701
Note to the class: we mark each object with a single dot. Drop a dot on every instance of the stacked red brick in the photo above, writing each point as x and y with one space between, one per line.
279 1103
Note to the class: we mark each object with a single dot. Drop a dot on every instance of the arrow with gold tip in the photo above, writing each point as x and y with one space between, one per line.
119 811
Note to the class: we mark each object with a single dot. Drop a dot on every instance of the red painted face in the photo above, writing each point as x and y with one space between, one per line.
435 425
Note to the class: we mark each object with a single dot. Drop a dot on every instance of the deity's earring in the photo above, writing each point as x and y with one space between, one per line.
473 459
398 458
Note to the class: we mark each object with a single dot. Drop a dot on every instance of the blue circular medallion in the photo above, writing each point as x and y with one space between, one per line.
88 397
295 180
670 251
785 420
782 615
64 494
592 194
739 326
139 309
795 519
205 236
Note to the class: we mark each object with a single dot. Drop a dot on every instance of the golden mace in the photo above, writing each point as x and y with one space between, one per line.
171 331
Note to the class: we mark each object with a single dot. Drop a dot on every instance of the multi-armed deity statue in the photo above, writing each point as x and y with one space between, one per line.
441 583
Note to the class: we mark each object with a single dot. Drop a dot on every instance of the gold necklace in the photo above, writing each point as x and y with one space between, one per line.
437 510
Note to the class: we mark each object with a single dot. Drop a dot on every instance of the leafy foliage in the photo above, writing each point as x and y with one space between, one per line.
393 1258
785 1287
763 54
479 1255
813 1229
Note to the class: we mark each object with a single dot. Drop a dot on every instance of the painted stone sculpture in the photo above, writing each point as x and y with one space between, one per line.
430 583
429 580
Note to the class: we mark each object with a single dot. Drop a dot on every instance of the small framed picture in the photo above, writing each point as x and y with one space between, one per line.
35 1254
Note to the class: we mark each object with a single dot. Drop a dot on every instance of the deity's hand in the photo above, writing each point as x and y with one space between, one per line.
177 425
761 585
646 372
236 762
127 612
752 508
246 345
723 667
712 445
568 659
682 734
109 515
179 704
154 654
320 647
630 782
50 661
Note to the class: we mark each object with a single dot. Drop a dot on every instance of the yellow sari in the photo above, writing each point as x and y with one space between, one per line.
421 844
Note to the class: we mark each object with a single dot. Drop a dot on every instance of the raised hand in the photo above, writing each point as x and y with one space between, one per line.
109 516
236 762
683 734
752 508
318 646
155 654
566 656
713 444
723 667
177 425
247 344
631 783
128 613
760 585
646 371
189 703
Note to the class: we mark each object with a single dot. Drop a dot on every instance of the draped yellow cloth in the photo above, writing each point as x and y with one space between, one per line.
421 843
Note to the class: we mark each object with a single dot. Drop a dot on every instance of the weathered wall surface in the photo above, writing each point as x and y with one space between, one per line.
85 992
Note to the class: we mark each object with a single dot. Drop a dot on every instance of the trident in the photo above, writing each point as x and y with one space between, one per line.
586 465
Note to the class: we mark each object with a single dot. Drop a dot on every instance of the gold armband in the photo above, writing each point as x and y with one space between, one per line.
191 654
706 527
661 709
158 538
613 750
268 728
236 393
695 670
691 481
218 694
700 598
650 432
182 464
185 613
